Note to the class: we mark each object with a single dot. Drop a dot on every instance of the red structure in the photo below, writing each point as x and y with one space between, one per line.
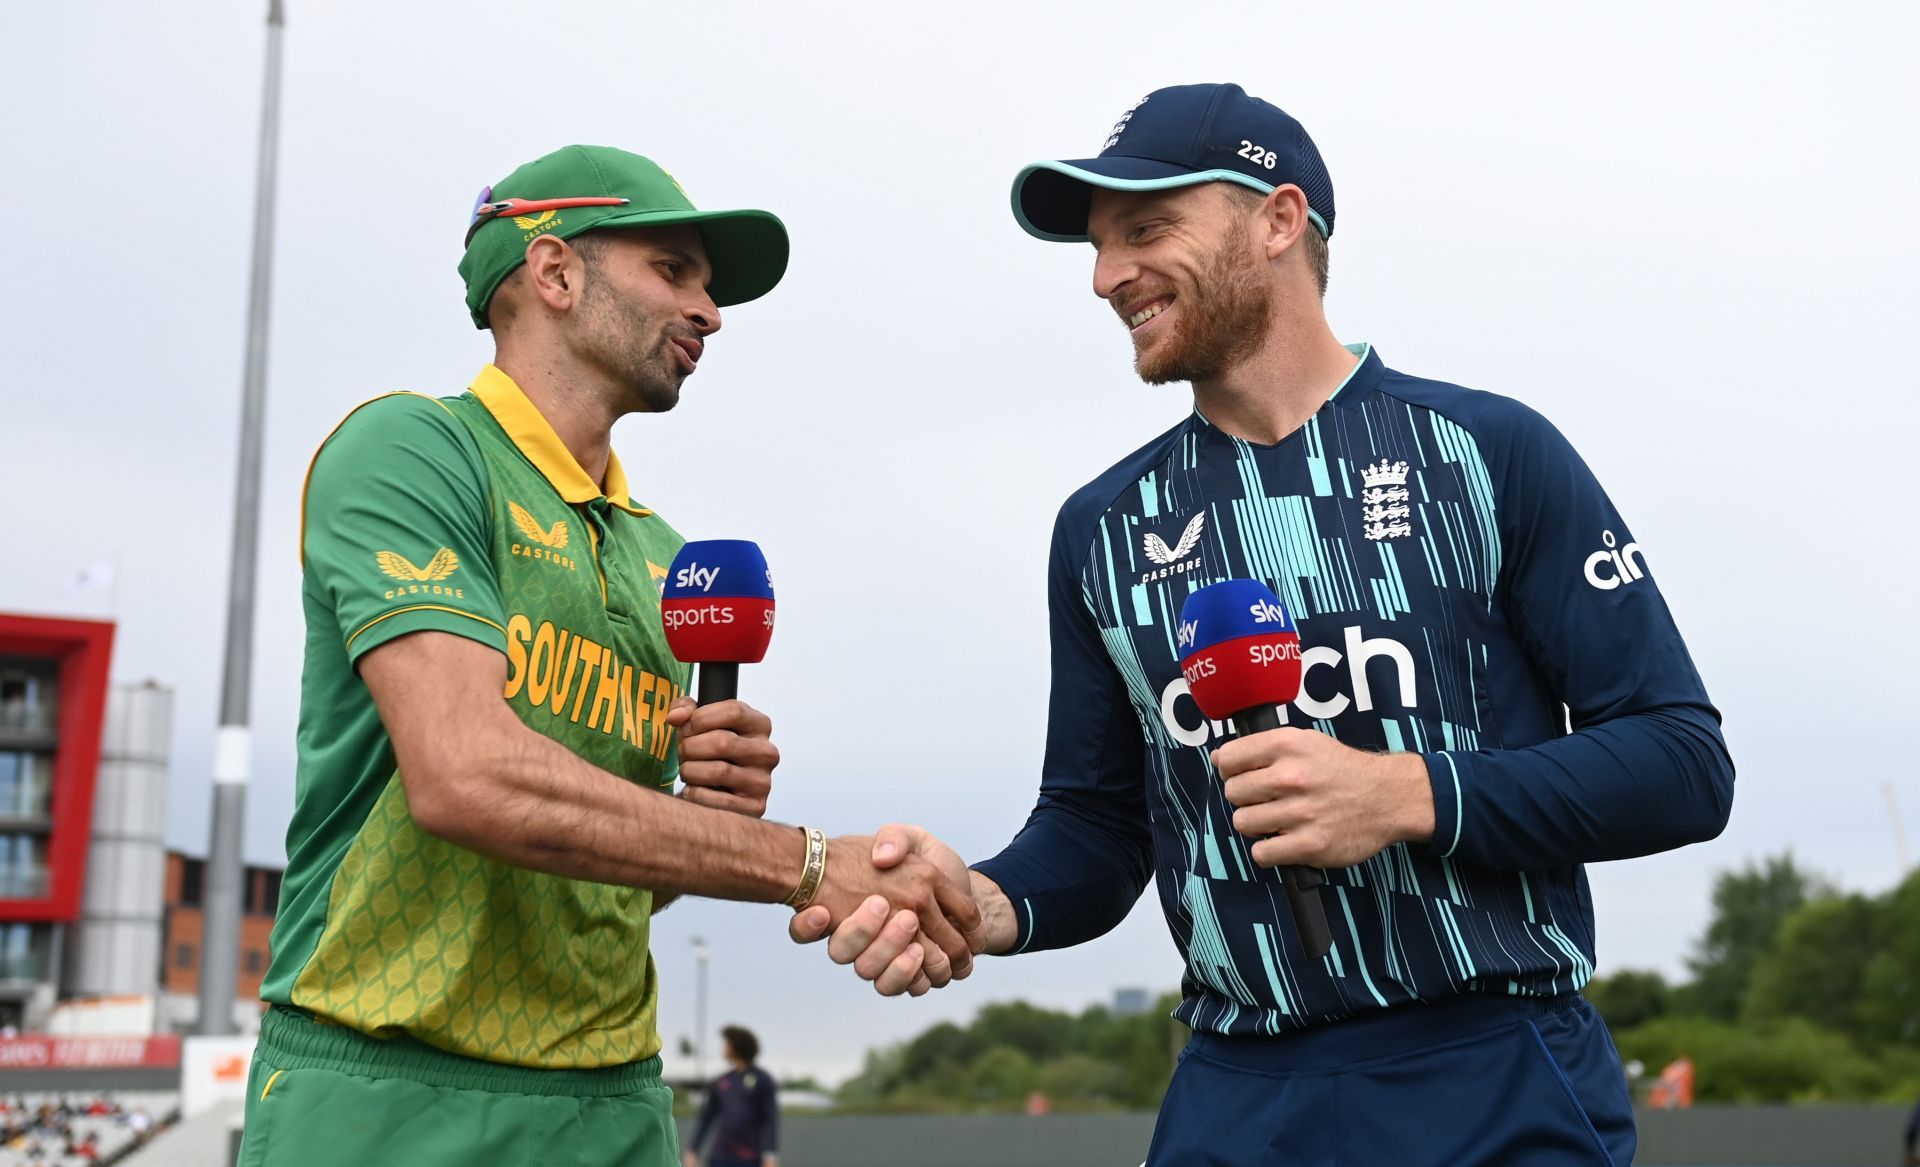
53 696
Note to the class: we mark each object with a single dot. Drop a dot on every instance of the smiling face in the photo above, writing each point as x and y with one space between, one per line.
1186 272
644 312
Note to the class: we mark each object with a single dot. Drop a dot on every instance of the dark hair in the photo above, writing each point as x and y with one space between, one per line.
590 245
741 1043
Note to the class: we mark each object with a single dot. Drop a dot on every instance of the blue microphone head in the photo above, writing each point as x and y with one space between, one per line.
707 568
1238 648
718 602
1230 610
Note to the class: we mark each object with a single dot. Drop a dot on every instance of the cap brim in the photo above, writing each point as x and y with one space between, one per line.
746 249
1051 200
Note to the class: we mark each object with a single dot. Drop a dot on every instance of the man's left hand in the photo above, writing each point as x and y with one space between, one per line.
1308 800
727 755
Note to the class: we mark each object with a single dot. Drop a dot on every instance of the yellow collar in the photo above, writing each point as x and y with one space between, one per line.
529 431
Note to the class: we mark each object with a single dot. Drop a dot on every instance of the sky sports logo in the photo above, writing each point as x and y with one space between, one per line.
1261 611
695 576
720 612
1261 654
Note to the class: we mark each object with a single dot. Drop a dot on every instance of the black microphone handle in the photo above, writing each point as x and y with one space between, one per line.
719 681
1302 883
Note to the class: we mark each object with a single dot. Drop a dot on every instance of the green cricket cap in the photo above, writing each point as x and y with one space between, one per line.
604 187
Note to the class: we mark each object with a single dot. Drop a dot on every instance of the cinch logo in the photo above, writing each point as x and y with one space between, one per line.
1158 552
538 224
1619 565
695 576
548 539
1356 692
421 580
1383 504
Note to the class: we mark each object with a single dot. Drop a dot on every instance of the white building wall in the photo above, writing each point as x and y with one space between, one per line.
114 947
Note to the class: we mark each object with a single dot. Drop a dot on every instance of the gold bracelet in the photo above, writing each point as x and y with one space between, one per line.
813 872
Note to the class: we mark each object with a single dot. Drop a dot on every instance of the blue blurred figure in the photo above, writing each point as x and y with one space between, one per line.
743 1106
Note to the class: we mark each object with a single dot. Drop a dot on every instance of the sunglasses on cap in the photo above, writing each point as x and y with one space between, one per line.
485 211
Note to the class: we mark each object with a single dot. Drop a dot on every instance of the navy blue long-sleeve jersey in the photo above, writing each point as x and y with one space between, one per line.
742 1112
1463 589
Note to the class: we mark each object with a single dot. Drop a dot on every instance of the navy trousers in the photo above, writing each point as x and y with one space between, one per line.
1473 1081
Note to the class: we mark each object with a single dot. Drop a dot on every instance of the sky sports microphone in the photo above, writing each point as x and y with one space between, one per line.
717 608
1240 653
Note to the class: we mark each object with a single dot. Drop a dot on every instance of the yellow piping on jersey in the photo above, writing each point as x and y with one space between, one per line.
421 608
307 482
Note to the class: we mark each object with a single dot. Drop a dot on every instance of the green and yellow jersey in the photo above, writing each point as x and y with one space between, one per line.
468 515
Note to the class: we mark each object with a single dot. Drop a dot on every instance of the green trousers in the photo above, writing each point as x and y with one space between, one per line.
326 1096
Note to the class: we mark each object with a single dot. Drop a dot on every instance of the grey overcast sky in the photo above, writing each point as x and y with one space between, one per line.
1684 231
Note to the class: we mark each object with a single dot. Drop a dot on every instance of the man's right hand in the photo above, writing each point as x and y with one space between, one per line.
888 948
910 888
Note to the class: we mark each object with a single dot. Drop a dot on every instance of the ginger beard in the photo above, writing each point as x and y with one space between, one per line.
1219 321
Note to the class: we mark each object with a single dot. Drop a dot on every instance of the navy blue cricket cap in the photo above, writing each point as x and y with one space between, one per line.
1178 136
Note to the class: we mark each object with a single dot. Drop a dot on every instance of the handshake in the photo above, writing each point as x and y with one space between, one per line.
898 905
913 944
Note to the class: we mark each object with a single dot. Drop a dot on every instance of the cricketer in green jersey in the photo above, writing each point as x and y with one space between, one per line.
491 723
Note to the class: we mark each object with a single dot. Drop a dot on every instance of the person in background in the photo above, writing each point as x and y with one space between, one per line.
743 1107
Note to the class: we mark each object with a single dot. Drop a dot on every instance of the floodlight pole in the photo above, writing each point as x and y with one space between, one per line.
232 745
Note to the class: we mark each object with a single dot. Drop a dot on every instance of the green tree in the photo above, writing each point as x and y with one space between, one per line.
1081 1082
1629 997
1749 906
1039 1033
879 1074
1792 1061
1002 1075
945 1047
1817 965
1888 1013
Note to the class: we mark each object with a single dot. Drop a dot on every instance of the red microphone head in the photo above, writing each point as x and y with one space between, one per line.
1238 648
718 602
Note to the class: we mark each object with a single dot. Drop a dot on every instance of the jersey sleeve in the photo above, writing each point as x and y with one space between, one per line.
709 1112
1085 855
396 536
1644 767
770 1116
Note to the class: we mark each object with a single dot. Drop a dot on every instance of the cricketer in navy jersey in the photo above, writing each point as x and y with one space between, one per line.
1494 694
1457 576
